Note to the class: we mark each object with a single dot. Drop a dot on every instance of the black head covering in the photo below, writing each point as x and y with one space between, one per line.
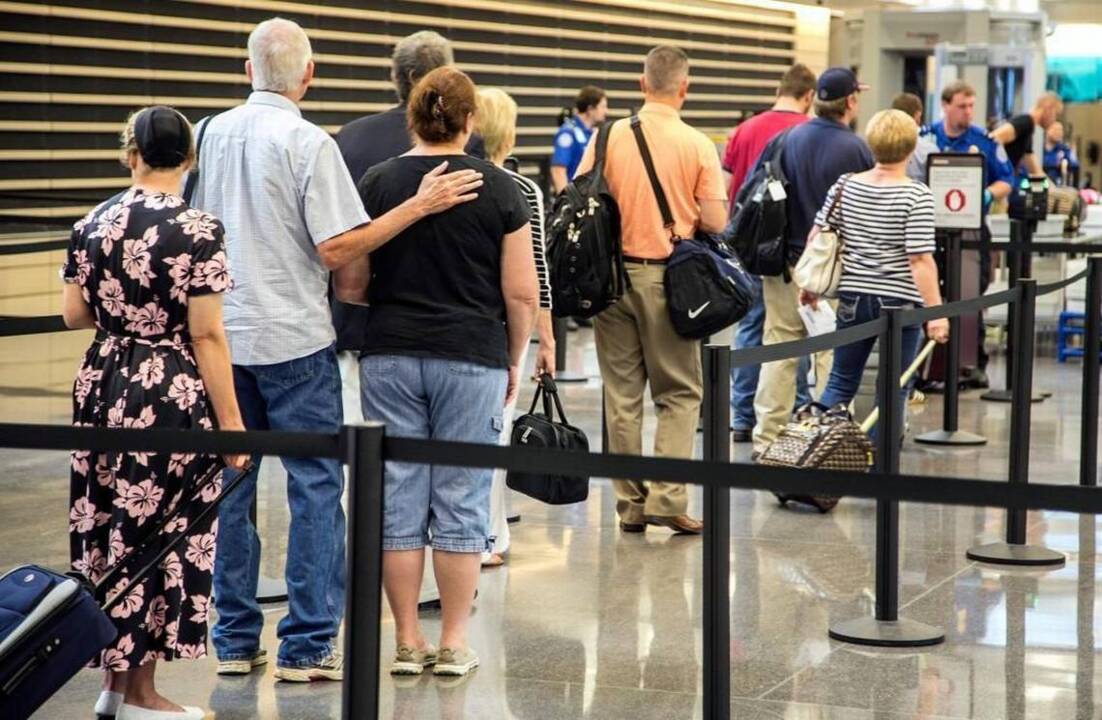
163 137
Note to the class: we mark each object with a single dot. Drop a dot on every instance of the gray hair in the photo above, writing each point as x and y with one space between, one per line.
665 67
279 51
415 56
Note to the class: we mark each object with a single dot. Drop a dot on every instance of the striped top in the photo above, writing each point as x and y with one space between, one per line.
534 197
880 226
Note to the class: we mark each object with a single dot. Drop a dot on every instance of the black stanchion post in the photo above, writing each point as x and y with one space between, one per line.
1092 345
886 628
950 434
1020 232
558 327
1015 551
363 603
717 537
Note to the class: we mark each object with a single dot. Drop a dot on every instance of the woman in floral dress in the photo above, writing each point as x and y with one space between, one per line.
146 271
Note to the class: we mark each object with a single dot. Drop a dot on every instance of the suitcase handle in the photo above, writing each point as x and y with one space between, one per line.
101 587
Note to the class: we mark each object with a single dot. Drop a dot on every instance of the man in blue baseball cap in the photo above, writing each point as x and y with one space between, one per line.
815 155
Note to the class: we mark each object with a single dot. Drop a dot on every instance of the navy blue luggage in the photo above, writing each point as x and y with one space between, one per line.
52 624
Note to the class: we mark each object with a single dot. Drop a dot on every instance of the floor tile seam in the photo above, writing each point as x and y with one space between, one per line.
838 645
583 685
855 707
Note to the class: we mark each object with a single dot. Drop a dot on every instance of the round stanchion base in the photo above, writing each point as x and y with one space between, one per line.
1001 553
270 590
887 633
950 437
566 377
1005 396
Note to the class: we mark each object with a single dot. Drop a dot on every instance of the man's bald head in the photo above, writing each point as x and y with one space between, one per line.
665 70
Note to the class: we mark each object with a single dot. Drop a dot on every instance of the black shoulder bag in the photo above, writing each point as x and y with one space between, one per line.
541 430
707 288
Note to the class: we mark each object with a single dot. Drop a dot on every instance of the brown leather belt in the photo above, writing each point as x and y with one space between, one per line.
643 261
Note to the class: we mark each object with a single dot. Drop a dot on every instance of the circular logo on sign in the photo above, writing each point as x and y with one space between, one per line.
954 200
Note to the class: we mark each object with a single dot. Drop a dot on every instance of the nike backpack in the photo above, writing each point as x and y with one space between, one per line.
584 254
758 226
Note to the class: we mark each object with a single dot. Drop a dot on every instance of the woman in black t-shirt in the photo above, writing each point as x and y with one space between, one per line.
453 299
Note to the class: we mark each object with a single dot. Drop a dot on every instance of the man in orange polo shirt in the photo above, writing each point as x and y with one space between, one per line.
636 342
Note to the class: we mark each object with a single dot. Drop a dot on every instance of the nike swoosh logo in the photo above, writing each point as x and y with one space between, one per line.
694 313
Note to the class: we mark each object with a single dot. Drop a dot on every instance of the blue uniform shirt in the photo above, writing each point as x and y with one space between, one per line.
1055 156
996 165
570 142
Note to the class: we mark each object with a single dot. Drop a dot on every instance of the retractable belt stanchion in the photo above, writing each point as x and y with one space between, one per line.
886 628
950 434
1092 345
1021 232
1015 551
558 327
717 537
363 447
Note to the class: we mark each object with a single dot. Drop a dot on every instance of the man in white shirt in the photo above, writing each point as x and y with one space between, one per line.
292 215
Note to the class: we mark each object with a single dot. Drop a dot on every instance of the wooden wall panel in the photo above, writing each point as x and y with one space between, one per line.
71 71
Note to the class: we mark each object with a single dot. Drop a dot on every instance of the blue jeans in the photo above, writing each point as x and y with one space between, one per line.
744 380
850 360
447 507
302 394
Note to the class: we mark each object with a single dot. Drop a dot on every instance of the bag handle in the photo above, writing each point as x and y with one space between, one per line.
193 174
648 163
101 587
550 390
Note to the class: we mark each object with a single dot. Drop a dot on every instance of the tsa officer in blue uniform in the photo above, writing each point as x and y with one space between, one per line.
956 133
1056 152
590 109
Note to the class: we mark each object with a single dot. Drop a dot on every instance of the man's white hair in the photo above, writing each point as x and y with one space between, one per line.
279 51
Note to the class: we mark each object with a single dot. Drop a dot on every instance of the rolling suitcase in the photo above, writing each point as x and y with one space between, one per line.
52 624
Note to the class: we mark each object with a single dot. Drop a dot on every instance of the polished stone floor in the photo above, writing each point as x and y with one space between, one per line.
585 622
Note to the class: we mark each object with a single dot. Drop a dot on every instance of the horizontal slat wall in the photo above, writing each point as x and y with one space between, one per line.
71 71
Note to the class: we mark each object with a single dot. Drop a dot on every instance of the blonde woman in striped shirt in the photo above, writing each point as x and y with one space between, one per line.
497 124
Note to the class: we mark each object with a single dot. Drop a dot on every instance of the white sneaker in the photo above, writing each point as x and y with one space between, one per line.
107 706
242 666
133 712
329 668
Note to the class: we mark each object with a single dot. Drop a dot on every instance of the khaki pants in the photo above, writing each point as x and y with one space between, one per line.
777 383
636 344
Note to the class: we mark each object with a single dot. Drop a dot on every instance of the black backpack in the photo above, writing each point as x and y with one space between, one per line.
707 288
583 243
758 227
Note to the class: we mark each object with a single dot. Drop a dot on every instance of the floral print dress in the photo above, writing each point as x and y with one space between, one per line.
138 258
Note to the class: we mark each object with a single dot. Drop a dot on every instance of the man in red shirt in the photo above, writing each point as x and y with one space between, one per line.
794 97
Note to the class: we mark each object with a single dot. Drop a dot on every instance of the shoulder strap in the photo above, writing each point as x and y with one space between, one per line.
836 204
648 162
193 174
602 147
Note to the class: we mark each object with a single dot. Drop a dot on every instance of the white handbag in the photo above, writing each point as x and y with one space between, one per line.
819 268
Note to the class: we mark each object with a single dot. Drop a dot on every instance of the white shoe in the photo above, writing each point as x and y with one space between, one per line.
108 704
133 712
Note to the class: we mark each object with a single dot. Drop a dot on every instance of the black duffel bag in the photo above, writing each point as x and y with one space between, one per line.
540 430
707 288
